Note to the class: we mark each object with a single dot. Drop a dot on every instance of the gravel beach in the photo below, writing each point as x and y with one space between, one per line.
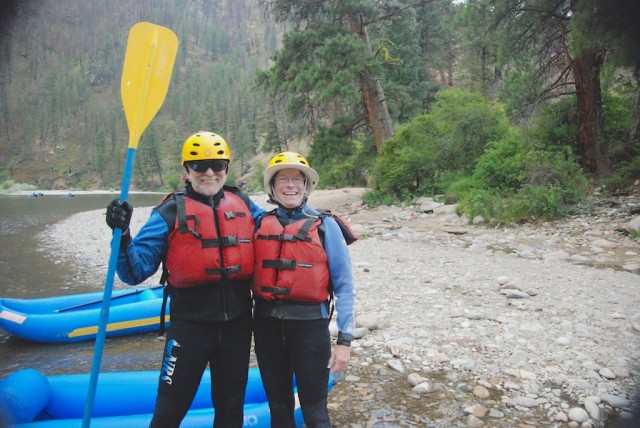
465 325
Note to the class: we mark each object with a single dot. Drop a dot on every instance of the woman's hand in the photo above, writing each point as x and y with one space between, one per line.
340 357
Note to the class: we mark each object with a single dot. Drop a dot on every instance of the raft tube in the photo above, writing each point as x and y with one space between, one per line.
75 317
29 399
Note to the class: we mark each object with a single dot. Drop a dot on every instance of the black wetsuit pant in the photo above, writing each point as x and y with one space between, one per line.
225 346
285 347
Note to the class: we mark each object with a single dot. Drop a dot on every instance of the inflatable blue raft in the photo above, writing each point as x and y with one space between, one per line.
28 399
75 317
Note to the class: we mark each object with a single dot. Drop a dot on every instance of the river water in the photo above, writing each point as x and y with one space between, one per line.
27 271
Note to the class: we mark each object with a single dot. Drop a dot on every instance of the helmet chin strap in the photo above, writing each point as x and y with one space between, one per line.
274 200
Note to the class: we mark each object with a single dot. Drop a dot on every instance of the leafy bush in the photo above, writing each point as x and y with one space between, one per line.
407 164
7 184
426 152
531 203
257 184
479 202
557 126
466 149
374 198
501 165
517 182
175 182
10 186
625 154
465 122
340 159
456 186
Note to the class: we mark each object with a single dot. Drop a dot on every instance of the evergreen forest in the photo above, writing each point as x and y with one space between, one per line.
512 109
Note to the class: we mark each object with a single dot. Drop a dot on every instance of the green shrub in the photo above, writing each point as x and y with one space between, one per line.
540 202
175 182
10 186
502 164
424 154
514 181
340 159
530 204
455 187
557 126
479 202
465 122
5 185
373 198
257 183
466 149
407 164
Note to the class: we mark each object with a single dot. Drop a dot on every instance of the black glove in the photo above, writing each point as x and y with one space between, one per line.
119 215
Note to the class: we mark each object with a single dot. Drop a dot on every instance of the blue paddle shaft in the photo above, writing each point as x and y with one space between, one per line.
108 288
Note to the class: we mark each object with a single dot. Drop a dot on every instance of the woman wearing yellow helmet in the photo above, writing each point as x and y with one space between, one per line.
301 262
203 237
290 160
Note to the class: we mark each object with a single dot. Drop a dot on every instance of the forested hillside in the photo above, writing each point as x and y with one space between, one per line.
60 68
497 104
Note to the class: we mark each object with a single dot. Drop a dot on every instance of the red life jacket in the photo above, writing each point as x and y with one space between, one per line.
291 263
197 254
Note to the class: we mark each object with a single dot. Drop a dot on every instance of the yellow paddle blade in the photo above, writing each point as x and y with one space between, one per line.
146 73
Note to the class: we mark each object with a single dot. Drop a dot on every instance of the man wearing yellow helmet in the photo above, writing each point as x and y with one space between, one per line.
301 262
203 237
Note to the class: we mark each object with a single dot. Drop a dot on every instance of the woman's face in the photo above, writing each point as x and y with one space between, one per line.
288 187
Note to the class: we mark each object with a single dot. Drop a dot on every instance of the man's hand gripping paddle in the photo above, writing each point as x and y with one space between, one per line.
146 73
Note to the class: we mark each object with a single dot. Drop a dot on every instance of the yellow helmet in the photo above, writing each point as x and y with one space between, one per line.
293 160
205 145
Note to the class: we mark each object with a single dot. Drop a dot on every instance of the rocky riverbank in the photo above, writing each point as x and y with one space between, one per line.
470 325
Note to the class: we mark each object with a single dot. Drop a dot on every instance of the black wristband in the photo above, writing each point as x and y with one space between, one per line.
344 339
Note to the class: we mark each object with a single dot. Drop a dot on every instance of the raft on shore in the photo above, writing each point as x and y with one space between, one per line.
75 317
29 399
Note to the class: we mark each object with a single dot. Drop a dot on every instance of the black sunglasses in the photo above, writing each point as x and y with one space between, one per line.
216 165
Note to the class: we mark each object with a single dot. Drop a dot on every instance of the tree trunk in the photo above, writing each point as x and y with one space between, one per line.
593 148
450 60
373 97
635 127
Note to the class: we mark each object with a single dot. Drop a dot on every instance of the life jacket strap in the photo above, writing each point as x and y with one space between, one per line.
284 238
233 214
181 209
279 264
225 270
165 298
304 230
225 241
276 291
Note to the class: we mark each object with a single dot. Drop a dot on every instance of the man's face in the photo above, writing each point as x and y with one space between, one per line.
207 176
